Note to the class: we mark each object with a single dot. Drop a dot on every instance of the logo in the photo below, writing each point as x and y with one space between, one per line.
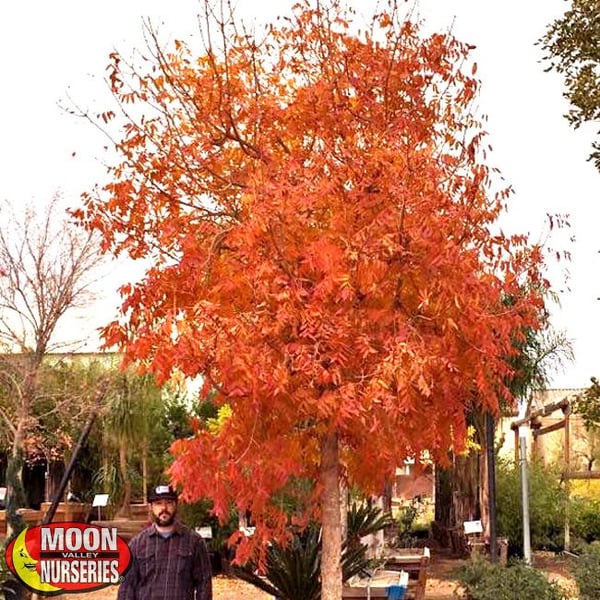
68 557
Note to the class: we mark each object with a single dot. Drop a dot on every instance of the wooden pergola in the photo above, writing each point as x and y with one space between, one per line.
534 420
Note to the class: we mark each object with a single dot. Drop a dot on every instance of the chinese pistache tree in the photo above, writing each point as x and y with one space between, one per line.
320 224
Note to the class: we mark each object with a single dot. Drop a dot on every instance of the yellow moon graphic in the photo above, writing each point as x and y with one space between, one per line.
25 566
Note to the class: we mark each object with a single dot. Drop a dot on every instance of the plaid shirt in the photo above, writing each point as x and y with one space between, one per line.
173 568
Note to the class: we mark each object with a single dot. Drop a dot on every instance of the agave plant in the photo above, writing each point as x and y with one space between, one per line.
366 519
293 571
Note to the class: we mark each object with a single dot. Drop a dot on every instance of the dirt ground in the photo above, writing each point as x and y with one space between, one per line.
441 584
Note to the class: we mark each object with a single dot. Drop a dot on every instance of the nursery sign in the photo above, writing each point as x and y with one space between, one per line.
68 557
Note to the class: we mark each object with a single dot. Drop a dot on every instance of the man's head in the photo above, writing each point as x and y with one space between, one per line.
163 505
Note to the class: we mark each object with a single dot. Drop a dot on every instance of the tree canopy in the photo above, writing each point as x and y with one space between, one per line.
572 49
321 225
588 405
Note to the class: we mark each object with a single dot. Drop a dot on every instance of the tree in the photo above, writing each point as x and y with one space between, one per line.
572 49
587 405
67 392
131 417
321 228
46 268
137 421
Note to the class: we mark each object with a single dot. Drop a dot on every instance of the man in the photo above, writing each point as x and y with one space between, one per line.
168 560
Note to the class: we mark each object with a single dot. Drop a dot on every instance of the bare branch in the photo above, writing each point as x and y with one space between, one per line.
47 268
8 422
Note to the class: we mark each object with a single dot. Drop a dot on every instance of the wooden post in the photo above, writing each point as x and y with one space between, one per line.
535 425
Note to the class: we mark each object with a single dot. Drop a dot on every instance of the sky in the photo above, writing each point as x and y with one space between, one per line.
53 56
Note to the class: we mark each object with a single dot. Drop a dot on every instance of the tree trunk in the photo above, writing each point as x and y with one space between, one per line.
125 510
15 495
145 473
55 471
456 497
344 502
484 496
387 495
457 491
331 567
443 497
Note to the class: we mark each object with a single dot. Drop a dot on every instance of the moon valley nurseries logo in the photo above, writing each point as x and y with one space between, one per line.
68 557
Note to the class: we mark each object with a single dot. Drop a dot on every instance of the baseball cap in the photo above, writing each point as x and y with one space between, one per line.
162 492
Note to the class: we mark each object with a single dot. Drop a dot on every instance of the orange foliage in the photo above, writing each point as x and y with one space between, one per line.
320 223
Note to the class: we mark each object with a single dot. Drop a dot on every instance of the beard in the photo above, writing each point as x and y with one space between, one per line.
164 519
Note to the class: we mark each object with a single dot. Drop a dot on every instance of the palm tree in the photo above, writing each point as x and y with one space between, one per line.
130 419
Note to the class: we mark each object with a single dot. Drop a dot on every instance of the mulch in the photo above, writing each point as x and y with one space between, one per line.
441 581
224 588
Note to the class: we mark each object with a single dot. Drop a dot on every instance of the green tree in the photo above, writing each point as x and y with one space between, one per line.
133 424
572 49
541 354
70 389
588 404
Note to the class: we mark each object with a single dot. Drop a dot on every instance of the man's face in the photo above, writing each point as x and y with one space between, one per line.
163 512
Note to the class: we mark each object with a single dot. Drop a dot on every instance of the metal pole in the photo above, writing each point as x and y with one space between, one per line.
491 473
525 493
567 437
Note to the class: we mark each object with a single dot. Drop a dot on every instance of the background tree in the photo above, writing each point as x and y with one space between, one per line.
321 229
131 421
68 391
128 448
587 405
572 49
47 266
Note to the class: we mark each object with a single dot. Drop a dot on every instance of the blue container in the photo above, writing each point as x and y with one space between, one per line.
396 592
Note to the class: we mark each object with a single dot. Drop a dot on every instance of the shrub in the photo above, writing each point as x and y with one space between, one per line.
412 523
587 573
407 516
482 580
585 519
547 499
